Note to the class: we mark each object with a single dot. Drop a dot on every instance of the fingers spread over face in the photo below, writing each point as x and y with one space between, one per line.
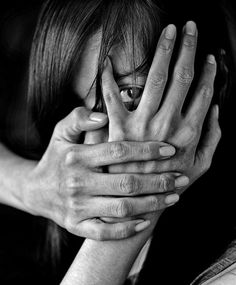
200 103
158 74
183 71
111 93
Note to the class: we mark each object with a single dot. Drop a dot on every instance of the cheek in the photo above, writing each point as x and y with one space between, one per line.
82 87
83 83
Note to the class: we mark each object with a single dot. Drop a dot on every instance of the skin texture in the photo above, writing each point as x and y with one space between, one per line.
76 192
109 262
57 187
167 122
67 186
152 121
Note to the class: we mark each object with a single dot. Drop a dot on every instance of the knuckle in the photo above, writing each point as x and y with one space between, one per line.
158 80
165 47
72 205
72 155
206 91
99 234
149 167
189 41
121 232
119 151
73 183
78 119
149 149
130 184
108 96
123 209
69 225
154 204
184 75
78 113
141 166
192 133
166 183
58 126
188 134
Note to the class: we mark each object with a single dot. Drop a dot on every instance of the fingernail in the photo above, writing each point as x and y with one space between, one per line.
140 227
181 181
170 32
172 199
167 150
211 59
97 117
191 28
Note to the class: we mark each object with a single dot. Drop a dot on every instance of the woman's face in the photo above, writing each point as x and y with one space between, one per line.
87 71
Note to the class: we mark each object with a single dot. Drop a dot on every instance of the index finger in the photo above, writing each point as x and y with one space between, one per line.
157 76
111 94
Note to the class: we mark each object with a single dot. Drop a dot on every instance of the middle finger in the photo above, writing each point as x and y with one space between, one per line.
183 71
157 76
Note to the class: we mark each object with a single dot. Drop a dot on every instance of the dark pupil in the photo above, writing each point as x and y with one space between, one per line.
130 93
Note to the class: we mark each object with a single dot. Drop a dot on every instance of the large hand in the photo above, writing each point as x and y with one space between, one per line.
167 122
67 186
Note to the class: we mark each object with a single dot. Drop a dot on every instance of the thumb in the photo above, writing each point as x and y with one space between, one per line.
79 120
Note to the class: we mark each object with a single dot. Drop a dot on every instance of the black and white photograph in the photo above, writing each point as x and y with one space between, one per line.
117 135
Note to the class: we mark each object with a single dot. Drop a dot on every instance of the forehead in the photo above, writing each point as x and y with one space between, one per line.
87 68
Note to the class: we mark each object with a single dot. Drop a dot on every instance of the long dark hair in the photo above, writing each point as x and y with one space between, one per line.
62 32
63 29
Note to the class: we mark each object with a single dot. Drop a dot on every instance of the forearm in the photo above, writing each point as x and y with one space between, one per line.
107 262
13 172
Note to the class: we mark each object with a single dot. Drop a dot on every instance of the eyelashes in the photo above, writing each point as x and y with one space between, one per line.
131 96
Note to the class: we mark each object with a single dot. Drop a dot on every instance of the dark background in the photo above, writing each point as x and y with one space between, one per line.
190 235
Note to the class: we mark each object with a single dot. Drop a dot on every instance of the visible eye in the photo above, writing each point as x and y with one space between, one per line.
131 97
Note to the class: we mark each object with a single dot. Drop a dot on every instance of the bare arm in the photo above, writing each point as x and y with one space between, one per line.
13 170
106 262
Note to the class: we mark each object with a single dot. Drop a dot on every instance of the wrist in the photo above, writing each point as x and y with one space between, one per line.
29 189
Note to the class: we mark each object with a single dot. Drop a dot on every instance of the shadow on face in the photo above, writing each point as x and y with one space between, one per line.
84 81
